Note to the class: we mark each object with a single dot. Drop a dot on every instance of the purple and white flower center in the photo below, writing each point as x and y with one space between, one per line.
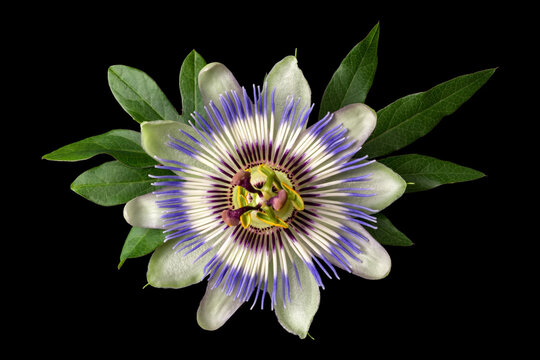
262 197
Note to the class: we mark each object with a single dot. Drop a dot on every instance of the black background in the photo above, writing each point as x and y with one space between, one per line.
447 294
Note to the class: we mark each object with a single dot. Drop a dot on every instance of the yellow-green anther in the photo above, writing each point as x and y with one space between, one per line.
267 216
245 220
269 212
296 200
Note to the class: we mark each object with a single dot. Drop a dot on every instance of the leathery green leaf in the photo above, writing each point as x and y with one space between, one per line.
123 145
353 78
413 116
424 172
189 84
114 183
139 95
387 234
140 242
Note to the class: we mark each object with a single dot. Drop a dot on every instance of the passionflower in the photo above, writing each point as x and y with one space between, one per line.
261 205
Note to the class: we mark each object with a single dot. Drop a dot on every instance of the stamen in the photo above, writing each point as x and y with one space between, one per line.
232 217
242 178
269 218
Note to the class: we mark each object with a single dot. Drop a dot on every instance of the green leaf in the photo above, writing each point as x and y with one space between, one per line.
413 116
353 78
189 84
387 234
114 183
424 172
139 95
140 242
123 145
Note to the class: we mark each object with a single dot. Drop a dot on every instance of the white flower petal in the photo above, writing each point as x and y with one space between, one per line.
296 316
373 262
345 243
383 187
144 212
155 138
336 142
170 268
287 79
386 184
216 308
216 79
359 119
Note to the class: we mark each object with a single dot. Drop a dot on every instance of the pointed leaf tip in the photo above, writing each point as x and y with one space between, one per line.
413 116
424 172
139 95
140 242
387 234
189 83
353 78
123 145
